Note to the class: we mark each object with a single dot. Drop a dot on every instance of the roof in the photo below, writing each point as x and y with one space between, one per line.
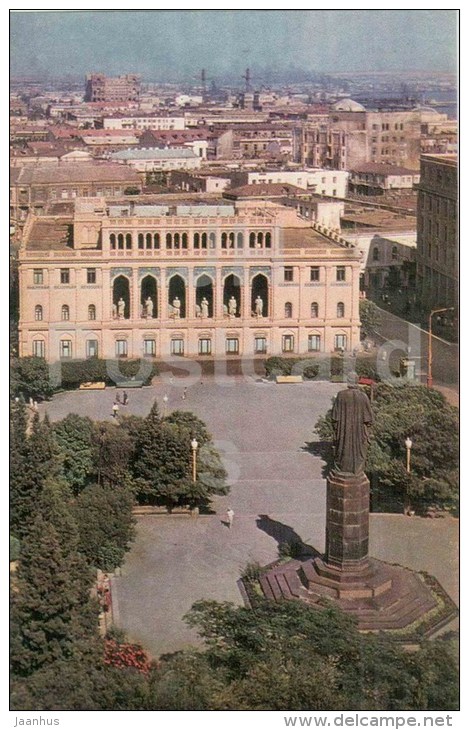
49 234
70 173
380 168
267 190
347 105
109 133
154 153
305 238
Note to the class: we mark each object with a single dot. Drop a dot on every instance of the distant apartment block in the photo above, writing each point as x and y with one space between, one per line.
106 88
144 121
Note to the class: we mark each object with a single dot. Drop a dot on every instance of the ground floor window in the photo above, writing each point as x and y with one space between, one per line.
91 348
65 349
121 348
260 345
205 347
232 345
177 347
149 347
39 348
340 342
314 343
287 343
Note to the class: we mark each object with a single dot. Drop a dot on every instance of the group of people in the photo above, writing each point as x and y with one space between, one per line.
118 402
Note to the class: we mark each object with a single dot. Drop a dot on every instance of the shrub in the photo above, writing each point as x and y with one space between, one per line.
30 377
278 366
111 372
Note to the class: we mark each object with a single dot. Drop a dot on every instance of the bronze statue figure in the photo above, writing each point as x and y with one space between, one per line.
351 415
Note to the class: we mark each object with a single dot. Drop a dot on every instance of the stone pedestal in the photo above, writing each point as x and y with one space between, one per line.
347 521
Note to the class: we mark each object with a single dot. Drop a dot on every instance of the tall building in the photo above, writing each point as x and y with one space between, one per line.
106 88
214 279
437 231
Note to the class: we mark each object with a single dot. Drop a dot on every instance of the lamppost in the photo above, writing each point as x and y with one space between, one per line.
194 447
430 351
408 446
165 403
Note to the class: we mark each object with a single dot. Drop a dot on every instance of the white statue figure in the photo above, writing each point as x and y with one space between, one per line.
149 307
259 306
177 307
232 307
204 307
120 308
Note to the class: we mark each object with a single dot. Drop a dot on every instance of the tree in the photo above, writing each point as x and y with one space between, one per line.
423 414
192 424
105 524
74 436
30 377
114 447
370 318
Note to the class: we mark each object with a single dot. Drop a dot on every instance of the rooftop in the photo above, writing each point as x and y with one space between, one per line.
381 168
69 173
154 153
49 235
267 190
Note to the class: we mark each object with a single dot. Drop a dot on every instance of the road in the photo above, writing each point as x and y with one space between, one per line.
445 368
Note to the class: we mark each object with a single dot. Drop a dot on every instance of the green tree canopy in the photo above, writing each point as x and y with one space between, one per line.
75 439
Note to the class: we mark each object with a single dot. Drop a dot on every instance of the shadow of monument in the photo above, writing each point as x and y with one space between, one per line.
285 535
325 451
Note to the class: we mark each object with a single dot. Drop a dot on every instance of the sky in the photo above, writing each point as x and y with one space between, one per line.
177 44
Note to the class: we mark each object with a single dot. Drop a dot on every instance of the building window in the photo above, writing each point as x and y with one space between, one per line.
340 309
91 348
177 347
394 254
38 276
232 345
65 276
65 349
39 348
65 312
205 347
314 273
91 276
288 273
149 347
314 343
38 313
121 348
376 253
340 342
260 345
91 311
340 273
314 310
288 310
287 343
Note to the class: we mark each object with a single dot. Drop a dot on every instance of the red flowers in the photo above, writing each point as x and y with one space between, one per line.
126 655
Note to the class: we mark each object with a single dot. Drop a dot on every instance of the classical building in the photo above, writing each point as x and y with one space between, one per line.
216 279
437 231
100 87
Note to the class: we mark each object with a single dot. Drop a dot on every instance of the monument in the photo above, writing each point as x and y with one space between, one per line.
381 596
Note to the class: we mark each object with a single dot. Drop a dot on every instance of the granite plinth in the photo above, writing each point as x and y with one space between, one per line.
347 520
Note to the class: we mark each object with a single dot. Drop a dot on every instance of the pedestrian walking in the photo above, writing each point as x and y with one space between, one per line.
125 398
184 394
118 397
115 409
230 515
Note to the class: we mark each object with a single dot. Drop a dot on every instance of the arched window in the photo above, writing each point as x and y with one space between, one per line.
38 313
148 240
91 311
376 253
120 241
140 240
212 240
340 309
156 240
240 240
128 240
65 312
224 240
184 240
169 241
268 240
196 240
204 240
252 240
231 239
260 239
177 240
288 310
112 240
314 310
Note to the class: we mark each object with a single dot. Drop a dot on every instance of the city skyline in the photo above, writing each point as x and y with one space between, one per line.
167 44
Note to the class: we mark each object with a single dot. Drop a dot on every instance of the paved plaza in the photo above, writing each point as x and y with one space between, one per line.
277 491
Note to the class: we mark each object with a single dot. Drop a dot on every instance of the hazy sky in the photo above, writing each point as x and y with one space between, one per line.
162 44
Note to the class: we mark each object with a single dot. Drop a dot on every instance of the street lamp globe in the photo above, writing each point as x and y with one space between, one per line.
194 444
408 443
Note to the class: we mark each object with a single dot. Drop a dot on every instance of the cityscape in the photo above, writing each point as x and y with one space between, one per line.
234 384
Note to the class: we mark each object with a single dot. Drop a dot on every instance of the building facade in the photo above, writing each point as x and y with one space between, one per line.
187 280
100 87
437 231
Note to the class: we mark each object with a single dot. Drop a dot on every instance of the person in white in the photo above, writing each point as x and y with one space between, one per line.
230 515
